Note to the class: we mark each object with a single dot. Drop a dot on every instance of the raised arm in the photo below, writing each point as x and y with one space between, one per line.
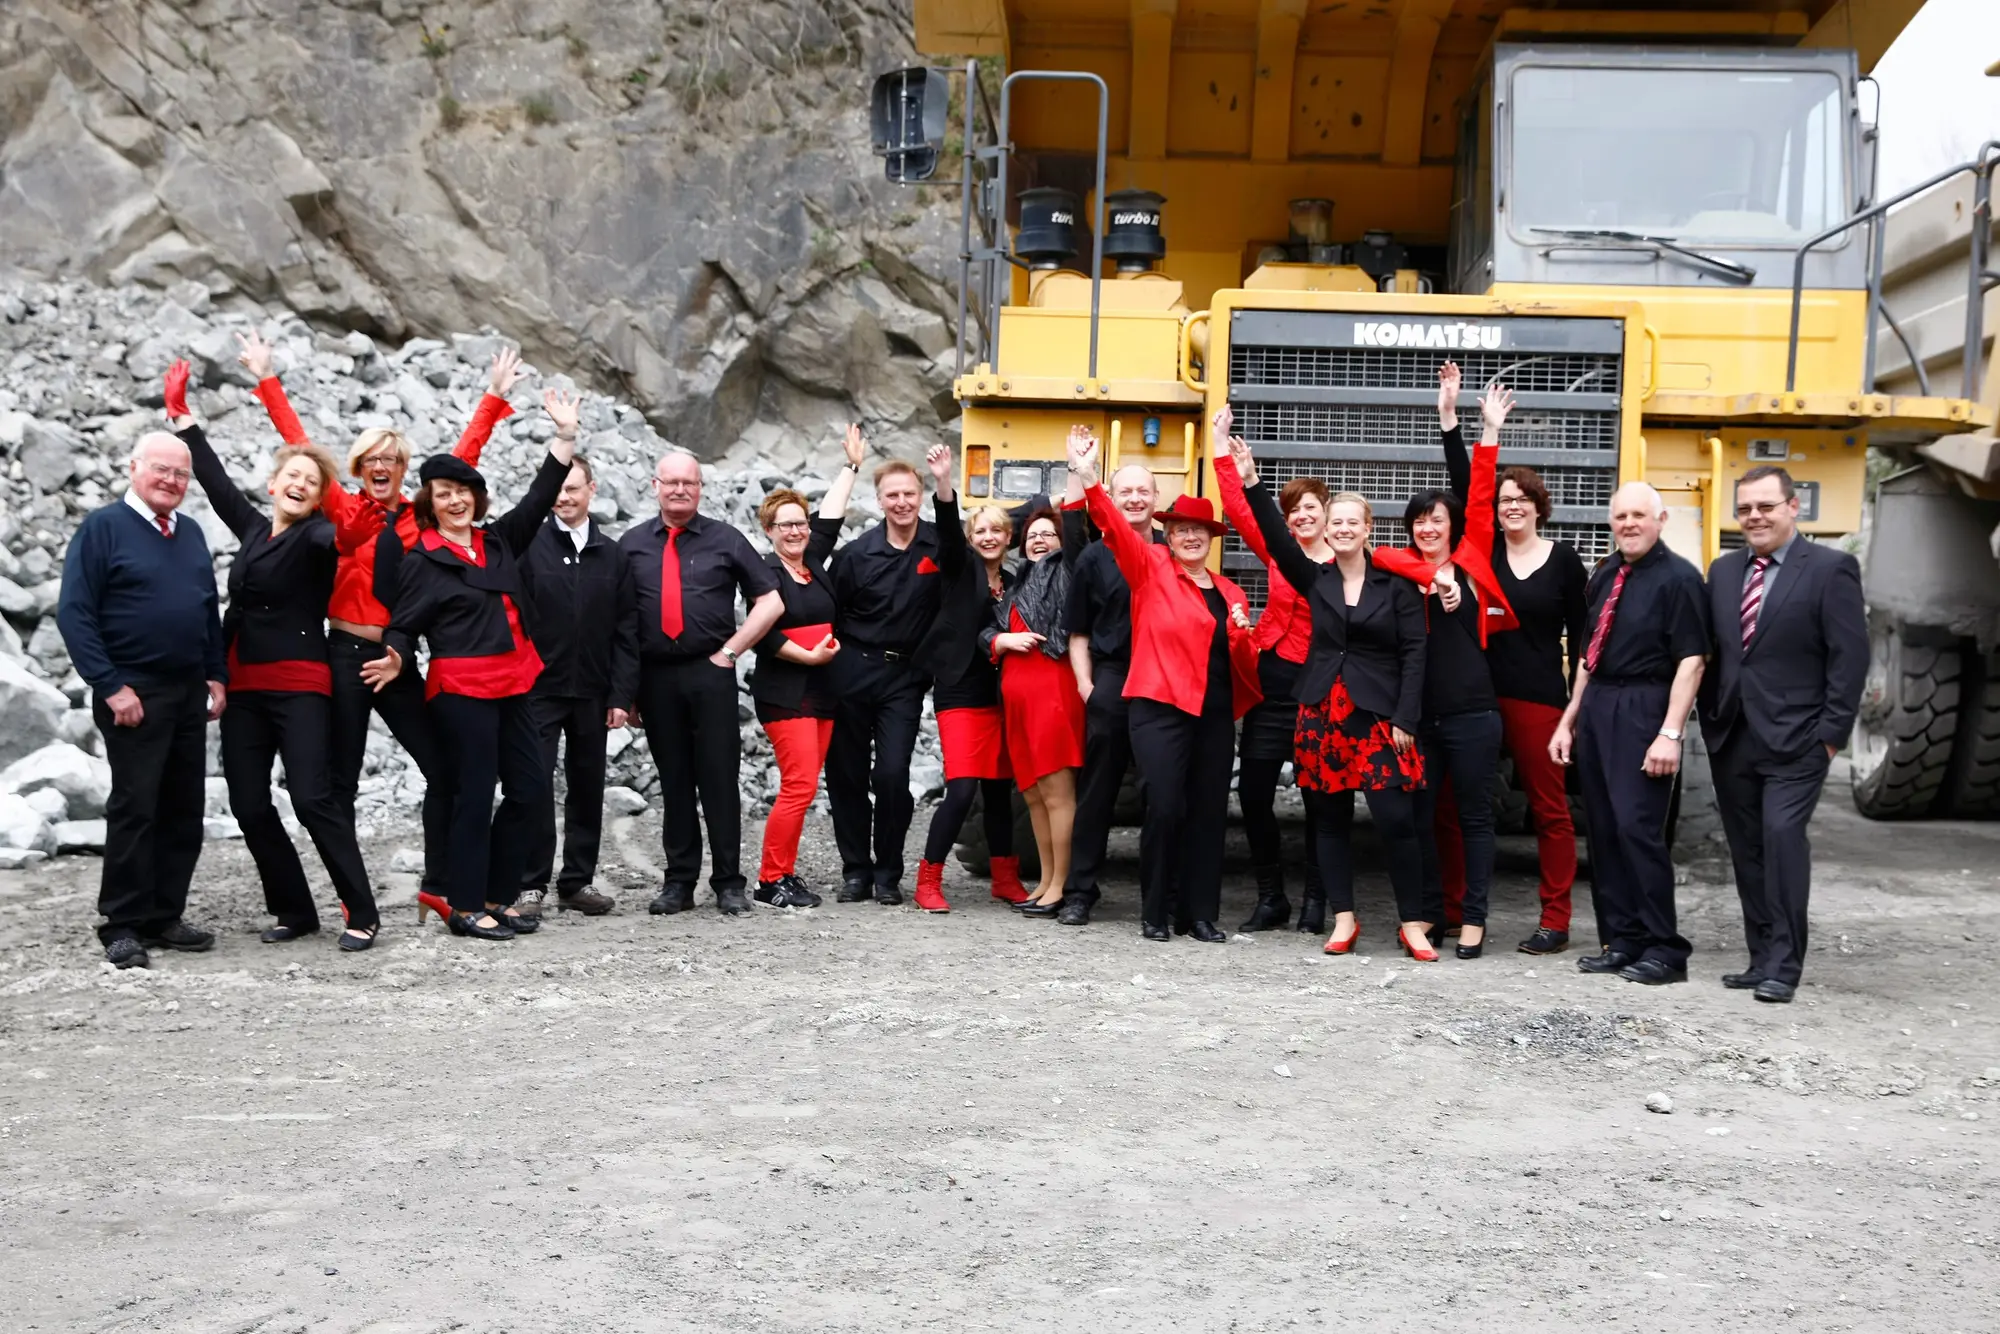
1457 467
833 505
1479 512
243 518
1281 550
1126 549
1075 518
255 357
517 526
953 549
493 407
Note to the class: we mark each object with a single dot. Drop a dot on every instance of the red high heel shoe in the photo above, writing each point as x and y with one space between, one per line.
1424 955
1344 944
432 903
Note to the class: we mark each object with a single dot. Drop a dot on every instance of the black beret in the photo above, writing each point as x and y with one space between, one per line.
450 468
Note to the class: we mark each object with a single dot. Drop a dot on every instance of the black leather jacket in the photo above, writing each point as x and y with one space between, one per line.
1041 593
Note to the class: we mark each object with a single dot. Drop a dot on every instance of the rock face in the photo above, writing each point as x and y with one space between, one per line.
673 202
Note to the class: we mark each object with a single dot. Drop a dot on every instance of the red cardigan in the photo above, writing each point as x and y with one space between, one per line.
1172 626
1287 622
1474 552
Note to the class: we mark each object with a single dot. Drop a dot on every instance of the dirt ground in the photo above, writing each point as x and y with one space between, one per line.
861 1118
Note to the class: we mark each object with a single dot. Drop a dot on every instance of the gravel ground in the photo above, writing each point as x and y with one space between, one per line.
860 1118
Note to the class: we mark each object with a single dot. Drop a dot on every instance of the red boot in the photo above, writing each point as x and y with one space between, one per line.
1007 886
930 887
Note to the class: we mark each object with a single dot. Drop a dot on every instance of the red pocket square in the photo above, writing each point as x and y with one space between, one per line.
925 565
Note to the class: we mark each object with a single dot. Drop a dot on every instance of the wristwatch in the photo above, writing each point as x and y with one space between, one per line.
852 467
1670 733
728 653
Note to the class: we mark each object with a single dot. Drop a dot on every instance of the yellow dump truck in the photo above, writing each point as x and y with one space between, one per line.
1658 223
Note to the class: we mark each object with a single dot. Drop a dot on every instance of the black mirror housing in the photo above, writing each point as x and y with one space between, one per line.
906 121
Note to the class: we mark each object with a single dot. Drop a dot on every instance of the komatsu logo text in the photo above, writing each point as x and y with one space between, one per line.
1369 333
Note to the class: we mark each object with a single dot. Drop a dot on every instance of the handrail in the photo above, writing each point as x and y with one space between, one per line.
1653 372
1982 168
1187 352
1711 513
1117 448
1006 146
1916 362
1114 457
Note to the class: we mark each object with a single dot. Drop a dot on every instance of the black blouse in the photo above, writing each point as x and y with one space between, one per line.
785 689
1456 677
1220 691
1528 663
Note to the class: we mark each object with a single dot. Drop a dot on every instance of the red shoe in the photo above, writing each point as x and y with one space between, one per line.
1344 944
1424 955
1007 886
432 903
930 887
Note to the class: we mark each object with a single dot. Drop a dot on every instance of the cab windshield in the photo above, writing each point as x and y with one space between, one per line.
1710 156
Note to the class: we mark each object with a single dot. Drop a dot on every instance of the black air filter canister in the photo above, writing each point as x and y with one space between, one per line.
1047 238
1132 229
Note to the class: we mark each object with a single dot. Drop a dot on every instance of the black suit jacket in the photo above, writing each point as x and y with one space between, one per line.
577 595
1377 646
1799 682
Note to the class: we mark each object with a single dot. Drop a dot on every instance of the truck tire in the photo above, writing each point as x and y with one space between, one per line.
1903 738
1973 786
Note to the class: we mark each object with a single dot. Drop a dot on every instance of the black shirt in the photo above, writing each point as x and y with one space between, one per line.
1221 690
1100 603
888 598
1456 678
1528 662
978 686
785 689
716 562
1662 617
577 595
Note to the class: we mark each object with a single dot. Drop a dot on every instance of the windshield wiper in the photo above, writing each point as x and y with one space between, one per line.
1728 268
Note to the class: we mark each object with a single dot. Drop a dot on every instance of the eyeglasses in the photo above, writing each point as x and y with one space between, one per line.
665 485
791 526
1515 503
388 460
161 470
1764 507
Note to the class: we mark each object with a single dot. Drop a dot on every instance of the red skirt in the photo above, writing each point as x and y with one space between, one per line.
973 744
1044 716
1340 748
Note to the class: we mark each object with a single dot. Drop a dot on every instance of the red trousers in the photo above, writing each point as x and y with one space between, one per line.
1527 729
800 744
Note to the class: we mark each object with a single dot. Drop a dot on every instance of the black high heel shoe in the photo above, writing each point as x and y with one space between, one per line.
354 944
522 924
467 924
1466 951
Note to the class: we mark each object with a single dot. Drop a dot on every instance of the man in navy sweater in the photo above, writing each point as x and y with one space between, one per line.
139 617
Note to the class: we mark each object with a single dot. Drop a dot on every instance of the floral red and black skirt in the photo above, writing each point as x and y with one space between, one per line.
1340 748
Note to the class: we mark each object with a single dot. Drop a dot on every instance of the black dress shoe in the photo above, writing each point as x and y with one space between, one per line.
353 943
467 924
1075 911
672 899
1207 933
731 902
889 896
1034 909
279 934
1154 931
1652 973
125 952
1774 991
1608 962
855 889
520 923
180 936
1545 941
1745 981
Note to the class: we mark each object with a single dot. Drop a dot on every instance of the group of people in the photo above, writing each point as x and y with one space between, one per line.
1063 643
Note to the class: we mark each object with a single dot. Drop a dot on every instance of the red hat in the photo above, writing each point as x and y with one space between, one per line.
1192 509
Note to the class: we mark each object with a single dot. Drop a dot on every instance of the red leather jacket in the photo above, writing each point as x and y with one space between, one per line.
1172 626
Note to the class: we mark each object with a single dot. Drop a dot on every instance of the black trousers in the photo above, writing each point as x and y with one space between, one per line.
996 813
1184 760
689 707
1631 869
258 727
401 704
874 731
152 823
488 743
1767 801
1257 794
1330 820
1107 754
1464 748
579 724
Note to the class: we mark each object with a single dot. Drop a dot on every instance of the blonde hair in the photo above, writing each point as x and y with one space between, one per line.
1005 519
372 439
329 475
1353 498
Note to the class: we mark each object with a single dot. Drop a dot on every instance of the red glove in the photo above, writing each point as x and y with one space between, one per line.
176 391
272 395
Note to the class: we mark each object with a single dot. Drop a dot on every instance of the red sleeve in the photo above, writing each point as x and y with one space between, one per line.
1126 548
492 410
272 395
1236 508
1479 498
357 520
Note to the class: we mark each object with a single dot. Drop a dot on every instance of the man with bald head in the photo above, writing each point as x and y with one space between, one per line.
139 616
1625 727
1100 650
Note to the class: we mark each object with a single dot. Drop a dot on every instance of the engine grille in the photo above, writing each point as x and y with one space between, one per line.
1392 368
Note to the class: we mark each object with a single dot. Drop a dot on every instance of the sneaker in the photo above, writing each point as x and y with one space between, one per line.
126 952
785 892
530 902
181 936
800 890
731 903
586 901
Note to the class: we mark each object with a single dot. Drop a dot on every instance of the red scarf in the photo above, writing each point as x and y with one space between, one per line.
1473 554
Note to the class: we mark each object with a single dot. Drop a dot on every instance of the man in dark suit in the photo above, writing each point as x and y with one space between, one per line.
1791 654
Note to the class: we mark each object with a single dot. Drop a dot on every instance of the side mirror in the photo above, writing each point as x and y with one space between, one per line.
906 118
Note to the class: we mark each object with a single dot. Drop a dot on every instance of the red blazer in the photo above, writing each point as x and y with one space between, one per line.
1474 552
1172 626
1287 623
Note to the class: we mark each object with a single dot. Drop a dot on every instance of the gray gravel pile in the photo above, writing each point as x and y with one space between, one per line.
80 374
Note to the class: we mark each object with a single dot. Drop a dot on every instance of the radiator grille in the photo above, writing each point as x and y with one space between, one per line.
1392 368
1279 424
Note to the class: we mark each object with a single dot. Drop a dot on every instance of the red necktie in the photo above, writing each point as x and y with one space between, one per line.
670 588
1603 630
166 529
1753 598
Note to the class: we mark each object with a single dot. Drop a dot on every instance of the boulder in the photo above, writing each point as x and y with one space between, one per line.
22 826
48 455
623 801
79 835
54 807
15 859
31 711
82 779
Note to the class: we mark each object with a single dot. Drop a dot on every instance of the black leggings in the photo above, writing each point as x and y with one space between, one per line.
1331 817
949 818
1257 793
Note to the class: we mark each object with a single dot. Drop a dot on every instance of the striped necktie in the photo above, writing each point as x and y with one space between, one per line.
1753 598
1603 630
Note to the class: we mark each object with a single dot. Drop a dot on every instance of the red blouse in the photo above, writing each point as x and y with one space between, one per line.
1287 623
494 675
